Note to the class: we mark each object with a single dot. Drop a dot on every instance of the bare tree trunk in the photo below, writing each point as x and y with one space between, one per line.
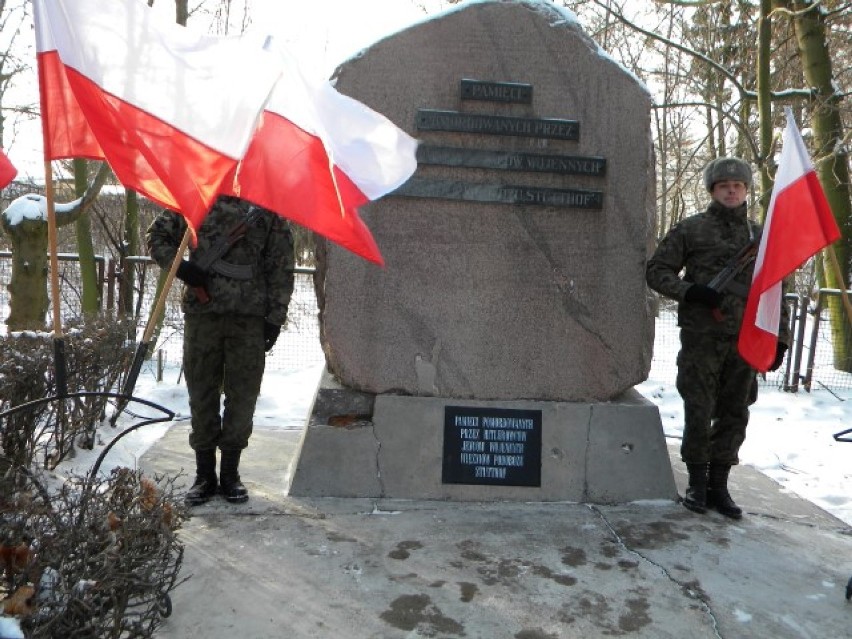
832 157
129 247
764 102
181 11
90 302
28 284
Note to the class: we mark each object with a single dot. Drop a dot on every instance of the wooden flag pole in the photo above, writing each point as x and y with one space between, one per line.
334 182
54 259
832 256
142 348
167 285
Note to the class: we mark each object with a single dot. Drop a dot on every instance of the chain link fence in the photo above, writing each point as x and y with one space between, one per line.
809 363
297 346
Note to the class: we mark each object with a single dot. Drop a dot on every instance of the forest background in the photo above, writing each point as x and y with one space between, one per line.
719 73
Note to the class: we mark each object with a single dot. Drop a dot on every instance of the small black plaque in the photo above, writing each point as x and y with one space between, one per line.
514 92
460 122
511 161
502 193
493 446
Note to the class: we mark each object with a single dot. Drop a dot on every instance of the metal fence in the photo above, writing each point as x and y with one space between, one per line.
809 364
810 359
298 345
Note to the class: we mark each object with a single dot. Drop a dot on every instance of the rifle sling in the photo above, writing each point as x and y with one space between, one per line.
724 278
234 271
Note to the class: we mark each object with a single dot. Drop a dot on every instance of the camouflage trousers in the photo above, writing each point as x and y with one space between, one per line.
222 354
717 387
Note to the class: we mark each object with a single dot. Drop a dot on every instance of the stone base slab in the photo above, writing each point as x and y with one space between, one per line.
391 446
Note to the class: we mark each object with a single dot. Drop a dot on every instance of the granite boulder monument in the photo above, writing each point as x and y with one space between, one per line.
494 356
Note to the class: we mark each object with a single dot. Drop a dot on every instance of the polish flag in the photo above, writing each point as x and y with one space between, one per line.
798 225
7 171
318 155
170 110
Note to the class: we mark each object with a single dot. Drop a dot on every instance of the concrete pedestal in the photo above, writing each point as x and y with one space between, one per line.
360 445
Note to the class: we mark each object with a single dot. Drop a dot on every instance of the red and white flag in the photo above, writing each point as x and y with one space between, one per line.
7 171
318 155
170 110
799 224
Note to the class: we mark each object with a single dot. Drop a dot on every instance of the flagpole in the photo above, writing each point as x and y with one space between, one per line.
142 348
58 339
52 241
167 285
832 256
334 181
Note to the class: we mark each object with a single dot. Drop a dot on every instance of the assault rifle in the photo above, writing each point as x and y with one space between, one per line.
745 256
219 248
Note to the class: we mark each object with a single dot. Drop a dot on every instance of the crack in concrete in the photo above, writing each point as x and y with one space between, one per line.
586 456
211 515
382 493
703 601
840 530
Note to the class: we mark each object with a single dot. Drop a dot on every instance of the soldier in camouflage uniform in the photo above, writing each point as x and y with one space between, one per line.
716 384
233 314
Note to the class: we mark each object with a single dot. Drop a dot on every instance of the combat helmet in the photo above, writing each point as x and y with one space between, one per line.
726 169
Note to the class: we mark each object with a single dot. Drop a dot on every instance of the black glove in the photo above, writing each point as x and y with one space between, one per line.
780 352
191 273
270 335
700 294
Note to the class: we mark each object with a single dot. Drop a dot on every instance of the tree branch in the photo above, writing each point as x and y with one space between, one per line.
689 3
95 187
744 93
726 113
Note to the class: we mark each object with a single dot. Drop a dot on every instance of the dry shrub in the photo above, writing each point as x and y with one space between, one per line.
96 559
97 356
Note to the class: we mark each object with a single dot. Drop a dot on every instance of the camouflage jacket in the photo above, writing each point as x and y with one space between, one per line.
262 260
693 252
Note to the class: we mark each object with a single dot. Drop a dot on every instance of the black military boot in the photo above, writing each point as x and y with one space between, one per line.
696 493
205 478
718 496
229 477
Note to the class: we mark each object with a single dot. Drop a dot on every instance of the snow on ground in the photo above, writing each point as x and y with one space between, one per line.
789 437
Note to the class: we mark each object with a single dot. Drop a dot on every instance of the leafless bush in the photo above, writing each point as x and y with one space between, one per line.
42 432
97 558
25 374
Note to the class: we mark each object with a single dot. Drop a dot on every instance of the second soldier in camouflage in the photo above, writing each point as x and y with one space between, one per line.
716 384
